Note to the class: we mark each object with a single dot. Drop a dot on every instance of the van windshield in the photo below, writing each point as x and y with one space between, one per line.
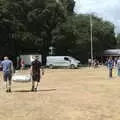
72 58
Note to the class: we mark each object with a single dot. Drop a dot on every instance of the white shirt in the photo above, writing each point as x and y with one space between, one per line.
118 64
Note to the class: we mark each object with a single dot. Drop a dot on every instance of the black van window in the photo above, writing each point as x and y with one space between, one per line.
66 58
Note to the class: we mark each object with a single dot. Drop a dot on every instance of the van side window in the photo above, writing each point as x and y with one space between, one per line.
66 58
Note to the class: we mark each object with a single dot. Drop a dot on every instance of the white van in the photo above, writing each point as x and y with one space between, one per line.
62 61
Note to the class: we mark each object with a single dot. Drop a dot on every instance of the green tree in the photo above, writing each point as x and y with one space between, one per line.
118 40
28 26
73 37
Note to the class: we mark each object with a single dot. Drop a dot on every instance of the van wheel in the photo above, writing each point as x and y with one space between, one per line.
51 66
72 66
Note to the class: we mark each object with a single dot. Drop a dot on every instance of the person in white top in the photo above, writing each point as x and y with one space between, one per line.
89 62
118 67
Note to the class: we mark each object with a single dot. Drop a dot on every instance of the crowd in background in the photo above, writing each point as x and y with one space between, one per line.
109 62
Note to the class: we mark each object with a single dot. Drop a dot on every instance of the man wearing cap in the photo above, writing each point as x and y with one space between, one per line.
7 66
36 73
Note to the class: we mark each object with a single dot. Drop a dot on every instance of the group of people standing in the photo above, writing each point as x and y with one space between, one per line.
36 71
93 63
111 63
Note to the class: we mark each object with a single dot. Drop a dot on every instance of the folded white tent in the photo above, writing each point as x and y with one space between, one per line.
21 78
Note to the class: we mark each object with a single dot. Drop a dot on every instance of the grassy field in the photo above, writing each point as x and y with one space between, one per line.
80 94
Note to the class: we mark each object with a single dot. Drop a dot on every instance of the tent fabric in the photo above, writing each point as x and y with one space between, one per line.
112 52
21 78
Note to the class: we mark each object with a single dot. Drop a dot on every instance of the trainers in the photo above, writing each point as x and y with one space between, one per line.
35 89
9 90
32 89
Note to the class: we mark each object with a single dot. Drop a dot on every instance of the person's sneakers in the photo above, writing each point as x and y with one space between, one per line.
32 89
9 90
35 89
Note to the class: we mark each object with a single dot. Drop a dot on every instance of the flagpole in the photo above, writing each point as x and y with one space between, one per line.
91 37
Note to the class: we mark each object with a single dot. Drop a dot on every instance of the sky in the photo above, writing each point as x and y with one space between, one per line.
107 9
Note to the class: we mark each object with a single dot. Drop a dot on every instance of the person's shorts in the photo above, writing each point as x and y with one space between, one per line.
7 76
36 78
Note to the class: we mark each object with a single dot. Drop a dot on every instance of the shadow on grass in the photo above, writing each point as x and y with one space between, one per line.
49 90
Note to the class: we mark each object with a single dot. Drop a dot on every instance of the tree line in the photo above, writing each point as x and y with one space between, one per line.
32 26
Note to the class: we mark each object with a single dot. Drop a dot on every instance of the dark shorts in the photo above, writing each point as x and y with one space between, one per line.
7 76
36 78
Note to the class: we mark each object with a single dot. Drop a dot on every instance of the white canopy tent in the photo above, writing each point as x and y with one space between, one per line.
112 52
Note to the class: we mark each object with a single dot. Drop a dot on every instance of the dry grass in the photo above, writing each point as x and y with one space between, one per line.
84 94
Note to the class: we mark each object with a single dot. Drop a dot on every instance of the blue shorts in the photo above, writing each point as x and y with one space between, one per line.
7 76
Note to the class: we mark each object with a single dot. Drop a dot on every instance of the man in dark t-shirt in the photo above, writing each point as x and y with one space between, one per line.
36 73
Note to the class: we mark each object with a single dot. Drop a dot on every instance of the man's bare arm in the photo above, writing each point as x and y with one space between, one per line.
42 70
31 70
